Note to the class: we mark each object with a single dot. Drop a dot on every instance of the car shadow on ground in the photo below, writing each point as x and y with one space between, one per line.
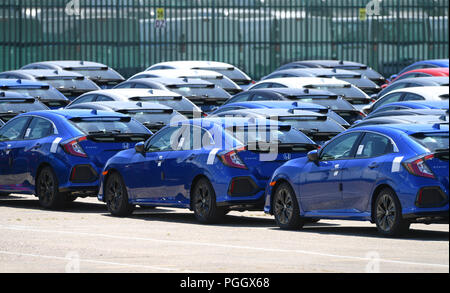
19 202
187 217
415 233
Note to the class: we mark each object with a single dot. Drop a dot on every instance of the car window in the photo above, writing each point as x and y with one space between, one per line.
226 109
390 98
39 128
101 98
85 99
125 85
373 145
14 129
261 97
142 86
194 138
412 97
340 148
263 85
240 98
167 139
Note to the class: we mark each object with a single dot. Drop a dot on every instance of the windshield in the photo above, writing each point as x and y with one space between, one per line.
348 92
332 104
43 94
312 124
109 126
20 107
267 135
432 141
71 84
154 117
191 91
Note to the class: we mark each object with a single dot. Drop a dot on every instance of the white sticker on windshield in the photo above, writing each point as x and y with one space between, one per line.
55 144
336 172
27 133
360 149
396 164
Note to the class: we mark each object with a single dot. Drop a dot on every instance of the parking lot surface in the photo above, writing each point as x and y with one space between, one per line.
85 238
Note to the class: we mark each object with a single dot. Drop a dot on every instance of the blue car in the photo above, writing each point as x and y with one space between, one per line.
392 175
208 165
44 92
58 155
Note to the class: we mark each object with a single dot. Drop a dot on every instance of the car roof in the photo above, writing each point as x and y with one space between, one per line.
45 72
407 128
320 71
422 104
293 91
13 95
279 112
126 93
277 104
193 64
124 105
425 80
71 63
437 70
77 113
299 82
21 82
426 91
433 61
177 73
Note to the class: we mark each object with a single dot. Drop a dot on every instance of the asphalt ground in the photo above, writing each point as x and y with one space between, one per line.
86 238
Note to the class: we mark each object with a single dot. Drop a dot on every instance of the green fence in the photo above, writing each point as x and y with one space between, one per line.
255 35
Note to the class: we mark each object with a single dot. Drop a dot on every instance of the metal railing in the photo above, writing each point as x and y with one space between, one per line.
255 35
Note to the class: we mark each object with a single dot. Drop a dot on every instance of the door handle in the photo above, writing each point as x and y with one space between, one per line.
191 157
373 165
36 146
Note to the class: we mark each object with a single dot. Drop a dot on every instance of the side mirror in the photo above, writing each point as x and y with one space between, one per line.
313 156
140 147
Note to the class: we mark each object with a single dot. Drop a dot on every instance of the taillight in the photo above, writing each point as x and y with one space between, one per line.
418 166
231 159
253 82
73 147
204 114
362 114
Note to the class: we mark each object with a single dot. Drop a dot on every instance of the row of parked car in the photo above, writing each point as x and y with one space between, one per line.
314 139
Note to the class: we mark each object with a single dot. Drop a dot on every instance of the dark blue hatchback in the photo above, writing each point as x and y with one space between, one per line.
391 175
59 155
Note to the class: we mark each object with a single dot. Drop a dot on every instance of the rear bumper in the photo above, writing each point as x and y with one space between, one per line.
428 217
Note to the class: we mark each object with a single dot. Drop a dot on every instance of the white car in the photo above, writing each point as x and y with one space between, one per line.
167 98
349 92
230 71
431 93
214 77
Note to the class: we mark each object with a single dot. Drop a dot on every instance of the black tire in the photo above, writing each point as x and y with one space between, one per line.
204 203
116 196
285 208
388 214
47 190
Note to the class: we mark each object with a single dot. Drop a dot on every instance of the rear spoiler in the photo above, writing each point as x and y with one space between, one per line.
19 100
319 118
156 111
86 68
7 87
320 111
176 98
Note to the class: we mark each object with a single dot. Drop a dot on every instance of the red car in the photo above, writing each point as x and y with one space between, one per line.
441 71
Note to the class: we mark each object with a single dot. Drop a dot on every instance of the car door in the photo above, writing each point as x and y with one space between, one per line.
363 170
11 139
144 175
36 143
181 165
320 186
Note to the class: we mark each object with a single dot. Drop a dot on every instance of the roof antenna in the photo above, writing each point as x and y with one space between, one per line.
139 104
2 94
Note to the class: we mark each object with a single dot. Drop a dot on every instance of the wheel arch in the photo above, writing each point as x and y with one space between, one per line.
194 182
375 194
